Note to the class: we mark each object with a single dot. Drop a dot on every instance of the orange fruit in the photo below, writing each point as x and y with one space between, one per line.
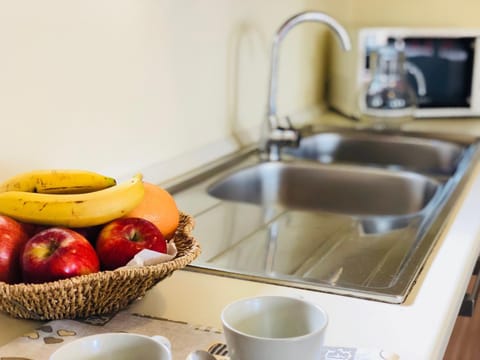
159 207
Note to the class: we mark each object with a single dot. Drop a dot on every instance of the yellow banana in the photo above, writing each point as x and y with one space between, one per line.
58 182
73 210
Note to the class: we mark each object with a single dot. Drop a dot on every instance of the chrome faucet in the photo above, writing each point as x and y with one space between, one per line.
287 135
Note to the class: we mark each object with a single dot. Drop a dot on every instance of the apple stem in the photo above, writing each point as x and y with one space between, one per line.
134 236
52 247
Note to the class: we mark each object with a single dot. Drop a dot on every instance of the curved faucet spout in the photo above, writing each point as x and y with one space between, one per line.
278 135
308 16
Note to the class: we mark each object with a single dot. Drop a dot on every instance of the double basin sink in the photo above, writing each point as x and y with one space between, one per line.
348 212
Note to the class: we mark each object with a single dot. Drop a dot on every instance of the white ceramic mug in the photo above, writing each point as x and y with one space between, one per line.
118 346
274 327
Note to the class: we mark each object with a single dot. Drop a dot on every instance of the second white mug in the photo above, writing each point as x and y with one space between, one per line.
115 346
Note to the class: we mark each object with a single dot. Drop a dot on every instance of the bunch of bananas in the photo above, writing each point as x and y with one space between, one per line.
70 198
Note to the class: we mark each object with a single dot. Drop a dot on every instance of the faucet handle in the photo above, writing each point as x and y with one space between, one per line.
285 135
289 124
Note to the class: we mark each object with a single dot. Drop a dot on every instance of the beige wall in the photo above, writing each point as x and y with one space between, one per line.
116 85
462 13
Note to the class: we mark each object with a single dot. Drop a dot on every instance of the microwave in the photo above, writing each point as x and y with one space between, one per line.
448 59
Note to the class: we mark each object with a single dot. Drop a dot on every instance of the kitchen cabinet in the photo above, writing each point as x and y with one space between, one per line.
464 343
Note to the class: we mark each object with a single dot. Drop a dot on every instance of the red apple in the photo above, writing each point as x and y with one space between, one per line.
13 236
57 253
121 239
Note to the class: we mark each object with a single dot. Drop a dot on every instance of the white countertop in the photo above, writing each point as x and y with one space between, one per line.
418 329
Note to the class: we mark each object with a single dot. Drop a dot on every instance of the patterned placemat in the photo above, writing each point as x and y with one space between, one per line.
184 337
42 342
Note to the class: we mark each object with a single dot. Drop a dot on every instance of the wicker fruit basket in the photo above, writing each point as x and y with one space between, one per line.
101 293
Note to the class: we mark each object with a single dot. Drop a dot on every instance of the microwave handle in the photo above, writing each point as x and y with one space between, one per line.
468 305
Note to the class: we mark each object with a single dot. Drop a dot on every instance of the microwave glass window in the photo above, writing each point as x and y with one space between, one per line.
447 65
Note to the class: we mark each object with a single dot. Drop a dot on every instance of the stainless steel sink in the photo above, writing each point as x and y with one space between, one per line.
341 189
424 155
354 222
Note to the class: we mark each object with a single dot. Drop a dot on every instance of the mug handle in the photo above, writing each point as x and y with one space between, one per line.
162 340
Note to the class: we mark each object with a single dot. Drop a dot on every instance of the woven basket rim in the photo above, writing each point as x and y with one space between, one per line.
185 227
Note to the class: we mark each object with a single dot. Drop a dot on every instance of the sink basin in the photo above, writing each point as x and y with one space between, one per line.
370 148
341 189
